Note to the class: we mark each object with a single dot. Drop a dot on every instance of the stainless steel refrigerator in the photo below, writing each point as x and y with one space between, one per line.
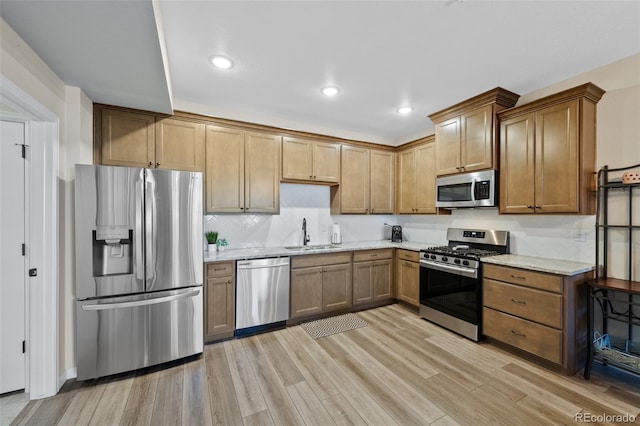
139 253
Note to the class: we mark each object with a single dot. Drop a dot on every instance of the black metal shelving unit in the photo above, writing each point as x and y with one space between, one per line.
603 284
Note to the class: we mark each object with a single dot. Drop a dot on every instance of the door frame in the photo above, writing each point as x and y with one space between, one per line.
41 234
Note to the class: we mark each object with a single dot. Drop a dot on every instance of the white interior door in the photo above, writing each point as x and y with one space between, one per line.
12 259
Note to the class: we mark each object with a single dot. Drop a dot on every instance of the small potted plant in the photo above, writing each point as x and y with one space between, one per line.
212 239
222 243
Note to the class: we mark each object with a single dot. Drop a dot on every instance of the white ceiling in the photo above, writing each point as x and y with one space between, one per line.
428 54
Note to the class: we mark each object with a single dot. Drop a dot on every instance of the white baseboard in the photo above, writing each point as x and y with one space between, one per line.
69 373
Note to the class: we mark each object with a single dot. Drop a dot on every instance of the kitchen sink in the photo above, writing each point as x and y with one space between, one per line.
313 247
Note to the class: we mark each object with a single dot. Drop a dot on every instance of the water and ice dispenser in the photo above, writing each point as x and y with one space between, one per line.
112 251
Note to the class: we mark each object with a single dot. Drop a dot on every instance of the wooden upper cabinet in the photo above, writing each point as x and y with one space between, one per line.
547 153
466 132
354 183
476 139
243 171
127 138
179 145
262 173
312 161
224 186
417 179
382 181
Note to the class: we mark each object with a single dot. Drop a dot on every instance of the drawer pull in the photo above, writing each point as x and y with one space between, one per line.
519 302
524 336
219 269
518 277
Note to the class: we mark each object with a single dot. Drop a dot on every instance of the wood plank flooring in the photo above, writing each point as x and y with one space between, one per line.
398 370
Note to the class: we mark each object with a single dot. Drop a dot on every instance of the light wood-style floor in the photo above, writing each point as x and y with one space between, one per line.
398 370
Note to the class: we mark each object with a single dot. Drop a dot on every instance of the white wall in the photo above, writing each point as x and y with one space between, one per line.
24 68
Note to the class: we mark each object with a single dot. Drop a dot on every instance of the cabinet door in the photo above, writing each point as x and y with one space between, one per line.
517 165
448 147
382 279
297 159
408 282
476 146
180 145
262 173
326 162
362 282
382 182
557 165
224 170
406 181
128 139
220 309
336 287
354 182
306 292
426 178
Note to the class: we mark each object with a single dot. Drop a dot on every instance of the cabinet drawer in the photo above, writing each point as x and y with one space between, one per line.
310 260
365 255
524 277
537 339
220 269
534 305
411 256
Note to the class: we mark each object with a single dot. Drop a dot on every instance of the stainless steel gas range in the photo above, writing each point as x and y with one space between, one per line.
451 279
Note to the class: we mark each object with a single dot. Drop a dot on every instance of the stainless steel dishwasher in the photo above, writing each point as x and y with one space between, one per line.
262 293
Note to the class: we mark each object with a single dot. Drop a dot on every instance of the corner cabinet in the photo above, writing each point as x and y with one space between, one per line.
219 300
547 153
466 132
242 172
366 183
133 139
416 179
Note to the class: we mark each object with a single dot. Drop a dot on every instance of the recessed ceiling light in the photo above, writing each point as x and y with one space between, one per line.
330 91
221 62
405 109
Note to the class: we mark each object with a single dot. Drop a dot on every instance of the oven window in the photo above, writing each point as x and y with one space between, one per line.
458 192
452 294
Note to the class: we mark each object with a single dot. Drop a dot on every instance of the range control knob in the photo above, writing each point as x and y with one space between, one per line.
444 258
433 256
465 262
457 261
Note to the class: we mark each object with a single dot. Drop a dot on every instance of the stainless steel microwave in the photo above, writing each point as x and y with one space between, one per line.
477 189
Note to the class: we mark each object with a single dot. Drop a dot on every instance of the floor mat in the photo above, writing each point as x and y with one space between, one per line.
333 325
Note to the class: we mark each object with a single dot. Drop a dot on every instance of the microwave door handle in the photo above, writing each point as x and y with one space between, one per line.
473 191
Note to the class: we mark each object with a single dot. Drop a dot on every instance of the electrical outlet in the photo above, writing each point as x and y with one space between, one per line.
580 235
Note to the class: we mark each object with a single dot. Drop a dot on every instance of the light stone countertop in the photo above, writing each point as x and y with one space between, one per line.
541 264
261 252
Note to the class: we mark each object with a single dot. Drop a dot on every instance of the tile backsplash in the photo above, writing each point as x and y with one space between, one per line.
544 236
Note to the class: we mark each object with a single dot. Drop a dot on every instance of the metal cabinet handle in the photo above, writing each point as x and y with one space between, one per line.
515 333
517 277
150 164
529 206
157 164
537 207
519 302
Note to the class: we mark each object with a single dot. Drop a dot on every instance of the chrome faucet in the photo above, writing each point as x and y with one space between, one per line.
305 237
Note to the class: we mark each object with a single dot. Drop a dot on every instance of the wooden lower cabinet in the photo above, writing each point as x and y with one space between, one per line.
372 279
408 276
219 300
320 283
539 313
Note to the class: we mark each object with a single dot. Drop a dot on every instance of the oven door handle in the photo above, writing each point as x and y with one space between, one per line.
457 270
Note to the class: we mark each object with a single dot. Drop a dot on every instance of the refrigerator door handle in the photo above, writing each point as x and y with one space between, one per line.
139 231
145 302
150 228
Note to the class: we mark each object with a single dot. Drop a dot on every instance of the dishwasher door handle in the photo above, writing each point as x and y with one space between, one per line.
250 266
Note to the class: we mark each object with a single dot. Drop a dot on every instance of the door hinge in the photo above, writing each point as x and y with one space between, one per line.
24 347
24 249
